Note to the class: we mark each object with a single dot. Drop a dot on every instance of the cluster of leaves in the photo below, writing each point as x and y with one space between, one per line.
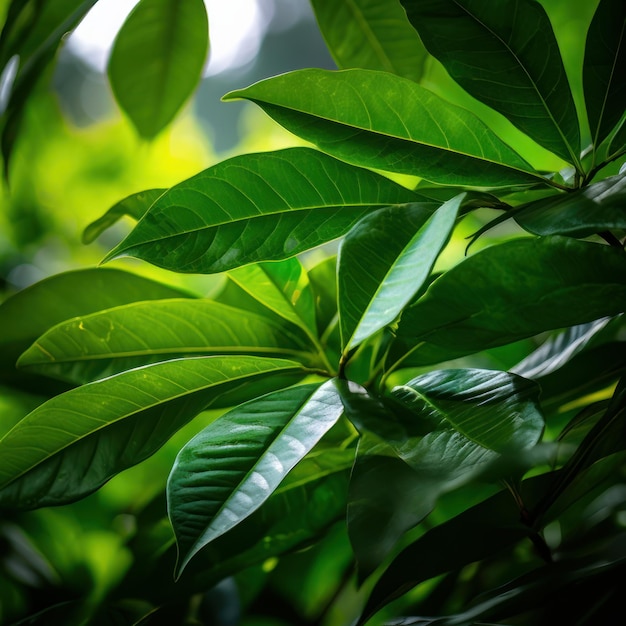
354 386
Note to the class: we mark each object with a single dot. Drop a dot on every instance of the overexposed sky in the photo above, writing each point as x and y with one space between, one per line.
236 29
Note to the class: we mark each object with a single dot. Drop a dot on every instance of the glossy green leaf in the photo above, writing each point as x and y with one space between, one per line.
605 58
559 350
94 346
505 55
257 207
73 443
384 261
374 119
517 289
596 208
496 410
446 429
283 288
133 206
228 470
310 499
32 311
157 60
371 34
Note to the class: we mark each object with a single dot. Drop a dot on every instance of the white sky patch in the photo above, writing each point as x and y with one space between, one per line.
236 30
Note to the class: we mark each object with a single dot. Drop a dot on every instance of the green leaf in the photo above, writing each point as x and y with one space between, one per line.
473 535
323 280
94 346
497 411
514 290
157 60
605 53
371 34
284 202
283 288
618 143
73 443
505 55
384 261
32 33
447 428
596 208
559 350
229 469
133 206
32 311
374 119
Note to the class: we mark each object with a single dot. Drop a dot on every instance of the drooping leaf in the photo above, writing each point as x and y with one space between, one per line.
133 206
283 288
284 202
228 470
384 261
89 347
32 33
507 56
596 208
157 60
497 410
605 58
514 290
310 499
558 350
371 34
73 443
446 429
32 311
374 119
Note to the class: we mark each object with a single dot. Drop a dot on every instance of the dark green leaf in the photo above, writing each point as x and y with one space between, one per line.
605 54
371 34
605 438
228 470
29 313
133 206
596 208
475 534
558 350
384 261
285 202
497 411
157 61
505 55
73 443
515 290
94 346
374 119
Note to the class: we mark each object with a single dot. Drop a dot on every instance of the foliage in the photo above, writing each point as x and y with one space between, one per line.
444 432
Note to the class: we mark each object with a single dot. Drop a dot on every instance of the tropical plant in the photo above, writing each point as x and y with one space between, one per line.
438 426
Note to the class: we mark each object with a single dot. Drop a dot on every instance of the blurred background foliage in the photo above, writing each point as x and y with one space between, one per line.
78 155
